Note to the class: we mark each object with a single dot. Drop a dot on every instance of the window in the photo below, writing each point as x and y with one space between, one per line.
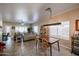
7 29
53 31
61 31
35 29
65 30
21 29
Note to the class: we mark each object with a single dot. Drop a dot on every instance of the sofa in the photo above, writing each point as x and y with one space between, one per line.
29 36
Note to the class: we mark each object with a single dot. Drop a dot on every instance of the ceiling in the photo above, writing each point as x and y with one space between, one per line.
31 12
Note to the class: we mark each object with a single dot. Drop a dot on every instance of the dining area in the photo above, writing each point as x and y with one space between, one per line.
44 42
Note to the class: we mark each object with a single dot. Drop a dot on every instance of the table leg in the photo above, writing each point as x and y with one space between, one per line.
50 50
58 46
37 43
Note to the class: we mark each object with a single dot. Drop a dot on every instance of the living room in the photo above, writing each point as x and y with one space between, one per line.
58 18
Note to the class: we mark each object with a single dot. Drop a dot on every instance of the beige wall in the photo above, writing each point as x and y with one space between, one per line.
71 15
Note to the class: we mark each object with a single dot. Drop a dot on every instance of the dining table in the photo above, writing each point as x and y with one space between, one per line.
51 41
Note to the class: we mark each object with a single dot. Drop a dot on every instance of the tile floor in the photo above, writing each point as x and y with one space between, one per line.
29 49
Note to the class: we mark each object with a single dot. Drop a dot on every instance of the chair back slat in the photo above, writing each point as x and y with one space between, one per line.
44 42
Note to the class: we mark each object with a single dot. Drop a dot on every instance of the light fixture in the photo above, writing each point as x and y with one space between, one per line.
50 10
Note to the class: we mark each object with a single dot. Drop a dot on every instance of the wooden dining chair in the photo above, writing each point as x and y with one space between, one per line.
43 44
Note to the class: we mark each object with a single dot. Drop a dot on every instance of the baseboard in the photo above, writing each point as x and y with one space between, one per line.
68 48
28 40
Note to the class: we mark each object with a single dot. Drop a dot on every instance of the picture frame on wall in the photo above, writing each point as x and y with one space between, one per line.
77 25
